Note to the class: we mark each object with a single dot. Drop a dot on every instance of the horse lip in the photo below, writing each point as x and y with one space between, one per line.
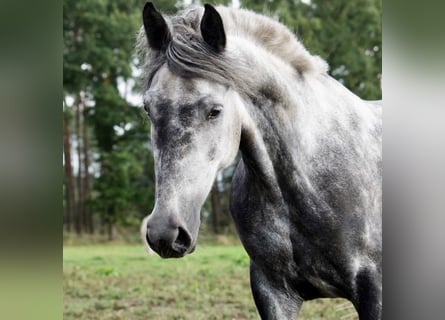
176 251
170 253
179 249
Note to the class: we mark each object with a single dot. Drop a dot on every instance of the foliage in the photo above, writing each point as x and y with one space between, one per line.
121 282
98 42
347 34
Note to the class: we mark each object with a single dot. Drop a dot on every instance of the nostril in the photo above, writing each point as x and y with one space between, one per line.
183 241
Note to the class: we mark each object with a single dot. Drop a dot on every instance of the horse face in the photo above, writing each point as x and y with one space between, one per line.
195 131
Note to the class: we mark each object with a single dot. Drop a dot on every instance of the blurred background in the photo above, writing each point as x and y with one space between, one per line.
109 183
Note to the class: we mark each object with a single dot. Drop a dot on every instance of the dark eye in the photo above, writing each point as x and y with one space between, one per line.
216 110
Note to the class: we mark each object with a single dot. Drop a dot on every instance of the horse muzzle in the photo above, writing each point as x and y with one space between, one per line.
169 241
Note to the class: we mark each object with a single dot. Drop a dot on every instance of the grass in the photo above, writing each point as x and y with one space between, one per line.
122 282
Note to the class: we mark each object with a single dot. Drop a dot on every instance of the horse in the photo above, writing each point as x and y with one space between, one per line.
306 194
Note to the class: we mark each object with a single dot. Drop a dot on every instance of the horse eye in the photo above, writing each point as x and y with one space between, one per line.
214 112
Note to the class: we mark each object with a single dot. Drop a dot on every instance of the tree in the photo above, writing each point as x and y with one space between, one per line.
78 221
216 208
86 179
99 38
68 171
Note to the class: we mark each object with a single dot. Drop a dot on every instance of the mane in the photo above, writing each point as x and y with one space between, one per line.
189 56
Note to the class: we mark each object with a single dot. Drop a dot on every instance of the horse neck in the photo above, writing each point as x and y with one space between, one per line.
281 134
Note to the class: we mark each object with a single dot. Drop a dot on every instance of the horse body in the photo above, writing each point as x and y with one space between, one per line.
306 196
312 227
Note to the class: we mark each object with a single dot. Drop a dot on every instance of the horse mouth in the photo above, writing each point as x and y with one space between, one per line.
176 250
165 254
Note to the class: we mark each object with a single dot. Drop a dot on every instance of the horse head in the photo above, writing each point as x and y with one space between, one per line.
195 131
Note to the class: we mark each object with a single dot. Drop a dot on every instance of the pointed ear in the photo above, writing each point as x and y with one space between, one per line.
156 28
212 29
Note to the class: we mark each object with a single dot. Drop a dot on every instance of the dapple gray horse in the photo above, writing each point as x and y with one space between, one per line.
306 196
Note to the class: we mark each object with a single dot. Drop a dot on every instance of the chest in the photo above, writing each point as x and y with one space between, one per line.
277 242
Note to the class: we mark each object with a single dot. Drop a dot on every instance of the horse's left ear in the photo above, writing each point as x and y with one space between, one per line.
212 29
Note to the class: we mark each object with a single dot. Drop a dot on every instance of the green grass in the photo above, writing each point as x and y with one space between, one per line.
122 282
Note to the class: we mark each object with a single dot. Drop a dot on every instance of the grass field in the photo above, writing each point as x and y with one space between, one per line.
122 282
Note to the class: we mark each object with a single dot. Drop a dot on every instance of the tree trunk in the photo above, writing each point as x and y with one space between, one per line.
86 181
111 220
79 207
102 223
216 208
68 170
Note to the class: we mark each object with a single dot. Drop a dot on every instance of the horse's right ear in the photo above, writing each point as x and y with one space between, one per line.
212 29
156 28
